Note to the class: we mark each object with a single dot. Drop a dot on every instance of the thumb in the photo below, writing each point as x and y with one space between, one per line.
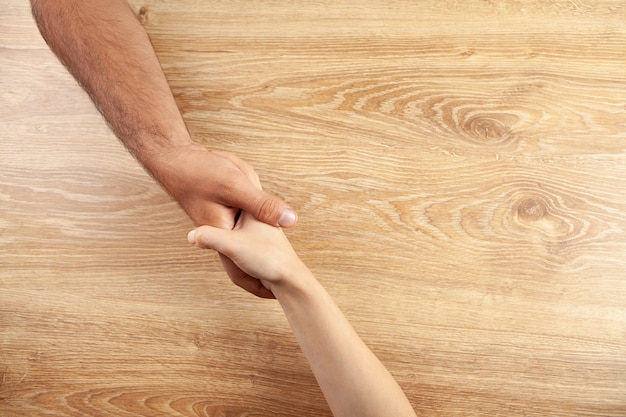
209 237
249 196
269 209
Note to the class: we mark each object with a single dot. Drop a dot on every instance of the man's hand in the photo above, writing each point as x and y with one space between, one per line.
213 187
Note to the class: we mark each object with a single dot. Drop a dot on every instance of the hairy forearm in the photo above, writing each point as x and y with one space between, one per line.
353 380
107 50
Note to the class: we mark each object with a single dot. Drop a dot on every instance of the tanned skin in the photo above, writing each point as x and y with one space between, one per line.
107 50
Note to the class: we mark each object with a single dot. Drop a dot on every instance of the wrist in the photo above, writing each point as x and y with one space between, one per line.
156 150
295 283
165 161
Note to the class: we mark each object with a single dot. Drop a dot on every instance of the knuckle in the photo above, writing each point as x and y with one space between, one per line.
267 210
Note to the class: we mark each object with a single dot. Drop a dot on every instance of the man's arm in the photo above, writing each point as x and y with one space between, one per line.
353 380
104 46
108 51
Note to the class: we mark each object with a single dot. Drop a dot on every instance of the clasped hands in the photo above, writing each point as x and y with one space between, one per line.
223 196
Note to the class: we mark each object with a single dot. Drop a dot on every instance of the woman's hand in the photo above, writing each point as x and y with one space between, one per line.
260 251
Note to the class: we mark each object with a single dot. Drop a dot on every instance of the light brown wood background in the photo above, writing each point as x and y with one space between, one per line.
458 168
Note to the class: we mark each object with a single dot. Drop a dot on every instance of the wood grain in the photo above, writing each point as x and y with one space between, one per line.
458 170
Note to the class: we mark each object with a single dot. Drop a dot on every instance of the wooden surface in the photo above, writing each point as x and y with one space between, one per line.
458 168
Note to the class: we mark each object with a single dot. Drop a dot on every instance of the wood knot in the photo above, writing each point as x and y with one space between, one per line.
142 15
531 209
491 128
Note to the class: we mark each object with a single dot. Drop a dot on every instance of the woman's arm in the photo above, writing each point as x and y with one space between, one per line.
353 380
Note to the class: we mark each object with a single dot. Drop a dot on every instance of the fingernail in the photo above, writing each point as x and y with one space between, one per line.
288 218
191 236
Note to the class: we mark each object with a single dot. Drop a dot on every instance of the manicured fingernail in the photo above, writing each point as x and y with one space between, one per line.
191 236
288 218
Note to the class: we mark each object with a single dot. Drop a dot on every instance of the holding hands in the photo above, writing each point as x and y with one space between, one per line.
216 189
256 256
212 187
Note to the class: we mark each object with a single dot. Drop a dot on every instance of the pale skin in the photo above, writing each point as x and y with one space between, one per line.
107 50
353 380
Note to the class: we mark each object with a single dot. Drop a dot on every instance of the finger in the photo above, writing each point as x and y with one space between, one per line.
213 214
209 237
265 207
248 196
